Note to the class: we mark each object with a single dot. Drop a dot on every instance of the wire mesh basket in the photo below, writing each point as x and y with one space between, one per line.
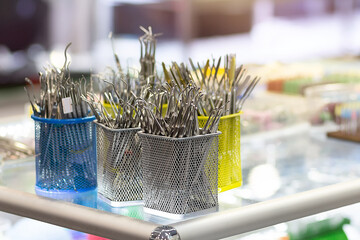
230 175
179 174
119 174
65 154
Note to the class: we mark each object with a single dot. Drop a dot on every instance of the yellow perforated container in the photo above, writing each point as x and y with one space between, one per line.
110 110
164 109
230 175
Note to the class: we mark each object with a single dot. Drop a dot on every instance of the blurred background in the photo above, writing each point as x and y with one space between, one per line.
258 31
306 52
34 33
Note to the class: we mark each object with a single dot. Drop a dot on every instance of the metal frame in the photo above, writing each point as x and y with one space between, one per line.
268 213
73 216
214 226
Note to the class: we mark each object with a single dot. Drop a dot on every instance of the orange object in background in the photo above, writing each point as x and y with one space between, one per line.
93 237
275 85
284 238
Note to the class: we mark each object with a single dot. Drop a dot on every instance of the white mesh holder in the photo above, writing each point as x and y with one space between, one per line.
118 166
180 175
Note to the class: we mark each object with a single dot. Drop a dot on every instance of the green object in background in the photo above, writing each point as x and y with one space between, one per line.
129 211
343 78
328 229
325 116
294 86
334 235
133 212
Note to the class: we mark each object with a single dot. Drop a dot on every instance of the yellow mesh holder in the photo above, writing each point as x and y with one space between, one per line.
109 109
230 175
164 109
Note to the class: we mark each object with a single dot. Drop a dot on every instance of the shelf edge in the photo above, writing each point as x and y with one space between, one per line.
256 216
73 216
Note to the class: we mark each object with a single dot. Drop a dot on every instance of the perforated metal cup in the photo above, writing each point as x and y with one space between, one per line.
180 175
118 165
65 154
230 175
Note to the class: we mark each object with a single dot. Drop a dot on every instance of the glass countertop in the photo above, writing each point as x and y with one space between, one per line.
275 164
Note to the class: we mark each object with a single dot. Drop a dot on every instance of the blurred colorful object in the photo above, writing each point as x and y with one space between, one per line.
328 229
347 115
93 237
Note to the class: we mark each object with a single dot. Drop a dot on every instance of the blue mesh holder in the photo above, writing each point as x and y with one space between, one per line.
65 154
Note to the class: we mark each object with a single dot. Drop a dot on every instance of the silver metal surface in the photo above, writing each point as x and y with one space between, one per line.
73 216
164 233
118 164
180 174
268 213
119 204
179 216
60 95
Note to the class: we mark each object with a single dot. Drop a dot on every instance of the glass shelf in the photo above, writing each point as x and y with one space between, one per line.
275 164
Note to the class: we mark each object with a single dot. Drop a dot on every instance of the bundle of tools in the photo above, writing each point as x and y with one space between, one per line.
123 110
181 118
129 80
60 95
64 134
179 77
231 87
115 108
147 56
122 81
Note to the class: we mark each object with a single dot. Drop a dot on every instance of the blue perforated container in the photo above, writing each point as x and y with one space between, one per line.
65 154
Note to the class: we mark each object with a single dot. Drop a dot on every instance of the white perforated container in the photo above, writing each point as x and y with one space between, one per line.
118 165
180 175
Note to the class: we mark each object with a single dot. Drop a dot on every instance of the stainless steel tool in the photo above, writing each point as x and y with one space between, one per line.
181 118
56 89
232 87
